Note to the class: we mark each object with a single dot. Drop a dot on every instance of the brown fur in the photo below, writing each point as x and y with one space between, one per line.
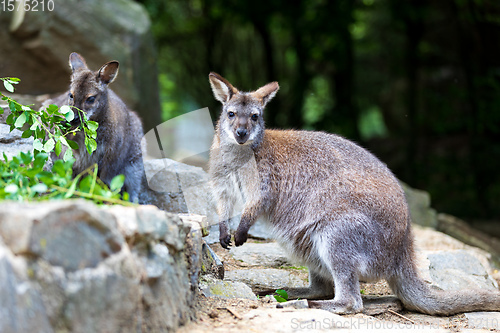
120 130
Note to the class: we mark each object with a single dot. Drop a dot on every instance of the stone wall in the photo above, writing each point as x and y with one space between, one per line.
70 266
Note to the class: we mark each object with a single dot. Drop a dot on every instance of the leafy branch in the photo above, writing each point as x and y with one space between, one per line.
24 177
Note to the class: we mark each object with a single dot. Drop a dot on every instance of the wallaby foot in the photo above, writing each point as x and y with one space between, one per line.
319 288
338 306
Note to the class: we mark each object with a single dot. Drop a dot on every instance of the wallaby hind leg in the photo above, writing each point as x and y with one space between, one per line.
319 288
134 173
345 278
347 295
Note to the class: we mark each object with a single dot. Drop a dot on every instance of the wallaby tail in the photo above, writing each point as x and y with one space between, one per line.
416 294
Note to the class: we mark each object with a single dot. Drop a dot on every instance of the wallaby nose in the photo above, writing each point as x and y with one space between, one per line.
241 132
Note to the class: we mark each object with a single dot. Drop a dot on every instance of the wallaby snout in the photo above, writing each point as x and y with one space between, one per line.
241 133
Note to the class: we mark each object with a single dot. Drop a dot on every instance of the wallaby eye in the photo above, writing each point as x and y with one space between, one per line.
90 100
230 114
255 117
70 95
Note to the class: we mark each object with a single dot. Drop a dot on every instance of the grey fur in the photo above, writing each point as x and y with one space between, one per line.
120 130
332 205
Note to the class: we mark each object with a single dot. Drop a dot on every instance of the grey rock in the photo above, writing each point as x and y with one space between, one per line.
454 270
483 320
227 289
179 188
11 143
297 304
101 31
263 280
75 237
420 207
462 231
260 254
90 269
99 300
21 307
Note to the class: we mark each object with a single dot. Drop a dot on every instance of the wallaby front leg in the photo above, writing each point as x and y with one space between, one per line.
225 210
248 218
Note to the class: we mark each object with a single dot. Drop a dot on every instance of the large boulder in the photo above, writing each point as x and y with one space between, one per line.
35 46
71 266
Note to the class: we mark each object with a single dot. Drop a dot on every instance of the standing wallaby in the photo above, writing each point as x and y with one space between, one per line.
120 130
331 204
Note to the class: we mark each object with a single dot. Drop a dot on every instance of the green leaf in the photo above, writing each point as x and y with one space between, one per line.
40 133
27 134
10 119
46 177
86 184
58 168
37 145
34 126
52 108
8 86
279 299
58 148
91 145
14 80
20 120
72 188
12 106
40 160
117 183
92 125
72 144
39 188
67 112
283 294
26 158
68 155
49 145
11 188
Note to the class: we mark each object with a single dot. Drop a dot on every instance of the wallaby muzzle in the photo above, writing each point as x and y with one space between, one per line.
241 135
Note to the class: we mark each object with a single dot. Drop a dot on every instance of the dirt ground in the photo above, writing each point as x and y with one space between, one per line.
231 315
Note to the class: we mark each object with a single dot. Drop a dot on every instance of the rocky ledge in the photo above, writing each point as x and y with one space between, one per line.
71 266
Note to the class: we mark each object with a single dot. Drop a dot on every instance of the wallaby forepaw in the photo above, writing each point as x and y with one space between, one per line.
225 241
240 237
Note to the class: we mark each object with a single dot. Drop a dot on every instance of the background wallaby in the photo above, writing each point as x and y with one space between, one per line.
332 205
120 130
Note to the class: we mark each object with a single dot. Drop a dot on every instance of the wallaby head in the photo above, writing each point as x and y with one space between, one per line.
241 121
88 89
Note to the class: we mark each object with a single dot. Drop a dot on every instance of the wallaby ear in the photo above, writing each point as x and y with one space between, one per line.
76 62
108 72
266 93
222 89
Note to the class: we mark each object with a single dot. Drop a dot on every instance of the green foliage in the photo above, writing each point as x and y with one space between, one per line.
25 176
281 296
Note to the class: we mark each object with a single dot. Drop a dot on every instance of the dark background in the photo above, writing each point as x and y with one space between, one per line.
415 81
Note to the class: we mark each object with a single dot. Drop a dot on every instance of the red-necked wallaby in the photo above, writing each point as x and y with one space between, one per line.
331 204
120 130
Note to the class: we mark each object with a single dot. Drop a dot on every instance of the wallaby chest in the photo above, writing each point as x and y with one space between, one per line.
235 172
